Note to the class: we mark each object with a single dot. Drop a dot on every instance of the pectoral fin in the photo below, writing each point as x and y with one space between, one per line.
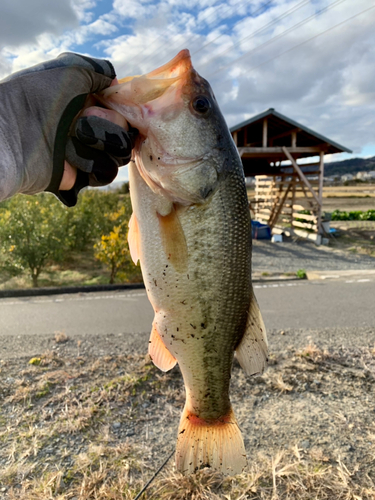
159 354
252 351
173 240
134 239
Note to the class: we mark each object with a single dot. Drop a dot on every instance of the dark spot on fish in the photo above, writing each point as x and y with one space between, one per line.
155 282
188 277
193 326
183 302
192 335
177 329
172 336
203 326
158 157
183 430
150 157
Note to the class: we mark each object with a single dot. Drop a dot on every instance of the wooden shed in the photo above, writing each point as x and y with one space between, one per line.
286 196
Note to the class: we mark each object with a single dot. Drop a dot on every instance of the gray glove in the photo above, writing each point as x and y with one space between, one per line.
38 106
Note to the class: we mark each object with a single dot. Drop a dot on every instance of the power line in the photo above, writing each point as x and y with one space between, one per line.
186 43
271 40
154 41
302 43
290 11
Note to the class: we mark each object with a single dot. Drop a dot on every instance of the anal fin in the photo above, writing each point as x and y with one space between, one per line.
252 351
134 239
159 354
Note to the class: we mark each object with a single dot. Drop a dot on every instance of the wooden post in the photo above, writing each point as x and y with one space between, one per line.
293 200
277 213
235 138
320 194
300 174
245 136
294 139
265 132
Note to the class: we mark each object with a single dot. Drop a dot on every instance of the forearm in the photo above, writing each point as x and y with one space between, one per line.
20 170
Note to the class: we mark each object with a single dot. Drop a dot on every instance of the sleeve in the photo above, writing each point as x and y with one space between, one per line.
24 161
9 177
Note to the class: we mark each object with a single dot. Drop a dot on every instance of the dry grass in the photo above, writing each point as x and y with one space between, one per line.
97 428
61 337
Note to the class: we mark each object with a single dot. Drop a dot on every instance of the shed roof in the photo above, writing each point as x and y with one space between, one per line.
278 124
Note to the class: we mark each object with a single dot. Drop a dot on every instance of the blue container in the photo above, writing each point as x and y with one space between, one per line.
260 231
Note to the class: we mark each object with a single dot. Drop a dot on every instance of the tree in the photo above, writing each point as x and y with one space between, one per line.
112 249
32 233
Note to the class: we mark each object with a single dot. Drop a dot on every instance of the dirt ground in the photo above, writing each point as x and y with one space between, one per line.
77 425
348 204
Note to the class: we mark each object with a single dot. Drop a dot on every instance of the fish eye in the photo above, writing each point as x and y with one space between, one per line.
201 104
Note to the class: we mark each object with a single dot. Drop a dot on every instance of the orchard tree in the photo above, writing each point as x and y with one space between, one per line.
33 233
112 249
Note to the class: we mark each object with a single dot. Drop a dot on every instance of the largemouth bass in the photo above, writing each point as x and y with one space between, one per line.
191 232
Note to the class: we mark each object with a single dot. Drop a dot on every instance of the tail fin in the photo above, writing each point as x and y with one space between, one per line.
216 444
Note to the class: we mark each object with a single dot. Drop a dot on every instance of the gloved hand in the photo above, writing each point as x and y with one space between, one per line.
40 105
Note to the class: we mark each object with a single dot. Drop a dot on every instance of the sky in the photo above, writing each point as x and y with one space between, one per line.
313 61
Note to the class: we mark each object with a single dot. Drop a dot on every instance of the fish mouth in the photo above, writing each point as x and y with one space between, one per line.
175 68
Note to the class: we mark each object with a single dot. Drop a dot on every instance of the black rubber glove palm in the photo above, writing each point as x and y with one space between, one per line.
45 100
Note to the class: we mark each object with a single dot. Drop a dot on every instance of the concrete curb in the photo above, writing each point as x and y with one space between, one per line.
35 292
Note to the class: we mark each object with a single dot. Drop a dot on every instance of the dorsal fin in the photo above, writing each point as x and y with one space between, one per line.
252 351
159 354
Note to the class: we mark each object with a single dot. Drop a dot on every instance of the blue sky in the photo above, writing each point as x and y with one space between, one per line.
311 60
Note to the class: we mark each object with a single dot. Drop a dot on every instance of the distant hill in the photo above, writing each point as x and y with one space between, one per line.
351 166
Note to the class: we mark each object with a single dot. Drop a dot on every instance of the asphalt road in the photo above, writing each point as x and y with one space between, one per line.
285 305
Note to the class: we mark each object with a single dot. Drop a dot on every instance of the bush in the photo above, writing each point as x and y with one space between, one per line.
301 274
354 215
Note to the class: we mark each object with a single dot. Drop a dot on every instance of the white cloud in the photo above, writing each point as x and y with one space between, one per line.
326 83
22 21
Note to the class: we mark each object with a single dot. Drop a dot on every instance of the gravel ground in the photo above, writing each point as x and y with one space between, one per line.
290 256
80 427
